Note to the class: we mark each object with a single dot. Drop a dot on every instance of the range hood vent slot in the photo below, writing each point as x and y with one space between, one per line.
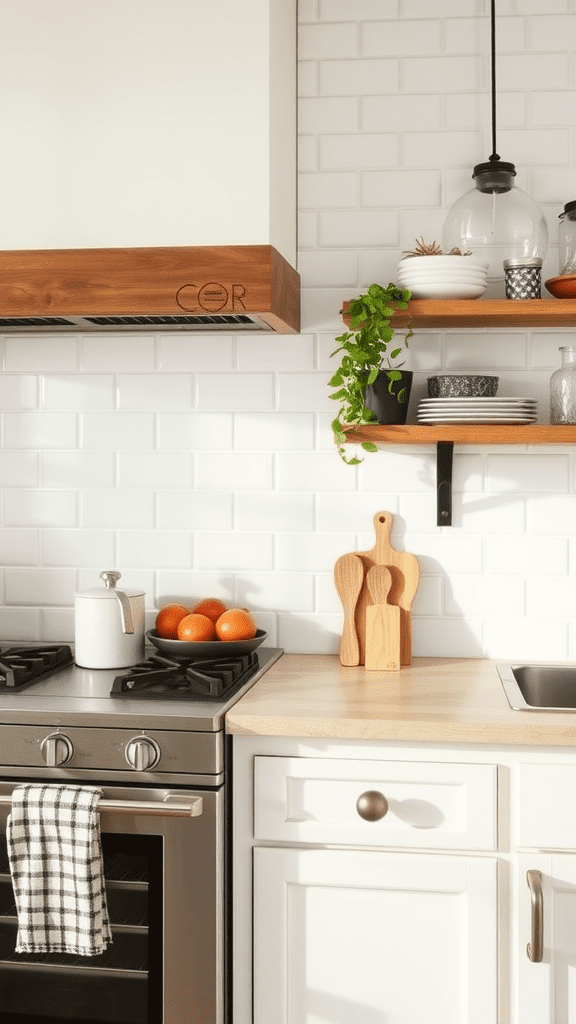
187 288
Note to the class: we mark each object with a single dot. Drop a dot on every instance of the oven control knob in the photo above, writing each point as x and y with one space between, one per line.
142 753
57 749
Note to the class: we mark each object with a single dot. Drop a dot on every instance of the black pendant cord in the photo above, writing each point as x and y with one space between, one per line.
493 75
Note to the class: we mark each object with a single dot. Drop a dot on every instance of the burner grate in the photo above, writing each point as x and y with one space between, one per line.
162 678
20 666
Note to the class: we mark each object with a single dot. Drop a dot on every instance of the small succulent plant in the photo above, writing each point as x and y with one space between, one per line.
432 249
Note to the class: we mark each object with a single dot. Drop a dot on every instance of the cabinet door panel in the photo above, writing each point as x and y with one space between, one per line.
436 806
373 938
547 990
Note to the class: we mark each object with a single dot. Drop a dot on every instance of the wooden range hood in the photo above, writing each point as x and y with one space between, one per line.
188 288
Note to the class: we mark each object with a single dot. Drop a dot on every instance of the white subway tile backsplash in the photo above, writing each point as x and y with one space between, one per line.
117 509
194 431
19 547
19 391
512 555
40 586
158 470
330 39
78 392
532 474
280 431
392 113
420 188
238 471
314 471
40 508
77 548
117 431
358 228
205 464
304 391
277 591
37 354
311 552
234 552
109 352
35 430
358 77
19 469
317 115
155 391
193 352
157 549
235 391
72 469
483 596
194 510
343 152
257 353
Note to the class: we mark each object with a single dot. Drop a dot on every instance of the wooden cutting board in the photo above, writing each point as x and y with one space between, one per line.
382 623
405 575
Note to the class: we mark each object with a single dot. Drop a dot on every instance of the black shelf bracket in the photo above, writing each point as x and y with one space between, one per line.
444 453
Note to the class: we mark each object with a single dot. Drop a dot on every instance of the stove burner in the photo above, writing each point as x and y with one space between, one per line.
162 678
20 666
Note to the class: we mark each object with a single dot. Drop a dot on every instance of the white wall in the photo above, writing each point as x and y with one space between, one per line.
205 466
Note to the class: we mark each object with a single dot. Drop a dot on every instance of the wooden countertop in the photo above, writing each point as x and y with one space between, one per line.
440 700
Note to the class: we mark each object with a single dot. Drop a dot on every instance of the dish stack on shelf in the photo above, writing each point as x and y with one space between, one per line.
477 410
443 277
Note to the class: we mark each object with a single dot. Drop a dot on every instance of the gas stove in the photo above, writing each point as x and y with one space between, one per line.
40 683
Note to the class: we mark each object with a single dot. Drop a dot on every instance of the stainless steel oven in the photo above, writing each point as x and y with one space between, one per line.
162 765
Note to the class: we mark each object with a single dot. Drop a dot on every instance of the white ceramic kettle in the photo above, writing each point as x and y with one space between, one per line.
109 625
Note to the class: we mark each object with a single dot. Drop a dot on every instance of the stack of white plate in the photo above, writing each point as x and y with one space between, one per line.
477 410
443 277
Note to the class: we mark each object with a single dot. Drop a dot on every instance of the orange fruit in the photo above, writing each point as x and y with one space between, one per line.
236 624
196 627
167 620
212 607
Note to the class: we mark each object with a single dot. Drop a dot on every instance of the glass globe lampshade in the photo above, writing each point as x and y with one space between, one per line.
497 221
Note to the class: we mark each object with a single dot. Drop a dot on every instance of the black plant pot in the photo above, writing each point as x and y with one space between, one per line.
381 397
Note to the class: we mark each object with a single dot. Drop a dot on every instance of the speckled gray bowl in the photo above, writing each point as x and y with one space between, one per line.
461 385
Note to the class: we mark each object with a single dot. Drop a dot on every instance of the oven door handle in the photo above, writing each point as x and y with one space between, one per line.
169 807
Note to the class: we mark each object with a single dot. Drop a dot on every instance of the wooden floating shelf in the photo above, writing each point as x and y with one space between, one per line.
444 314
472 433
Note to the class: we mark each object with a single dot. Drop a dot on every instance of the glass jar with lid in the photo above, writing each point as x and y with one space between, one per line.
563 388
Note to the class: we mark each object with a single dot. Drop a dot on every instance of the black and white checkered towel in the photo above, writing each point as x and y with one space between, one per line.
55 855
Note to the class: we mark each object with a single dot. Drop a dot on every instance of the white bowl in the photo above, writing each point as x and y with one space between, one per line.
418 286
448 290
443 261
446 272
427 278
424 282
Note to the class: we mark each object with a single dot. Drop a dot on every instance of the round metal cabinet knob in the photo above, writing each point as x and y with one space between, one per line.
142 753
372 805
56 749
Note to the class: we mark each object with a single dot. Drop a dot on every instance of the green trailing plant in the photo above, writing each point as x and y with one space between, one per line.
367 349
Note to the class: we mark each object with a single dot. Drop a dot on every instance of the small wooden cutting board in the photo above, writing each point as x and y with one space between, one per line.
404 573
382 623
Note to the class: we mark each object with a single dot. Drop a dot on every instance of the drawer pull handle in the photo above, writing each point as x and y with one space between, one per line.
534 948
372 805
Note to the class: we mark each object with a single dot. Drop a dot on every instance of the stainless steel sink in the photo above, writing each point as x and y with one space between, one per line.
539 687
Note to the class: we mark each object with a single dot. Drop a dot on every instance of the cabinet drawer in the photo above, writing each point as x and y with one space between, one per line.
427 805
547 799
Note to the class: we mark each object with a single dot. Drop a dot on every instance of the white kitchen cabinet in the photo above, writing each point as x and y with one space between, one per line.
372 937
546 990
343 920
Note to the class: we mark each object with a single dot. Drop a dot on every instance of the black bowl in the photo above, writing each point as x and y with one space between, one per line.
187 650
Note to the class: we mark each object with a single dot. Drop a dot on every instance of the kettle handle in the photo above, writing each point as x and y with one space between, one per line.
110 578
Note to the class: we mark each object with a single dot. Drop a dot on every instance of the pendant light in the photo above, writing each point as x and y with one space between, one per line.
496 220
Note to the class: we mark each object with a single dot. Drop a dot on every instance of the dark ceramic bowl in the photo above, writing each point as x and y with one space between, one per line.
189 649
462 385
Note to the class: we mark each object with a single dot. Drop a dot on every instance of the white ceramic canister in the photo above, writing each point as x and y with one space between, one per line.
109 625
